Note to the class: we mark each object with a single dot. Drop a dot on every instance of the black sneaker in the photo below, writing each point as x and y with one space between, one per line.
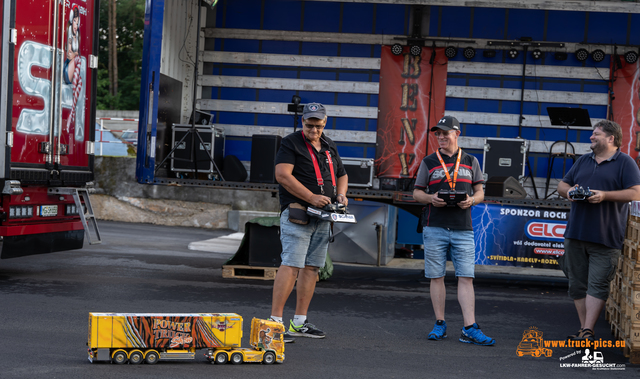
305 330
286 337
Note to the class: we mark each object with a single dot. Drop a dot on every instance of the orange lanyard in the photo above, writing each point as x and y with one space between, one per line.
452 184
316 167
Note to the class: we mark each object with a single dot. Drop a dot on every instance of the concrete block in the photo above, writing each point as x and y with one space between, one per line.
237 219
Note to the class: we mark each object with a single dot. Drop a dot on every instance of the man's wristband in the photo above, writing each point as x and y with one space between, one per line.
473 202
340 194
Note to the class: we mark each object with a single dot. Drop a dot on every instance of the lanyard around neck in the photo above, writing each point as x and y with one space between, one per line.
316 167
452 183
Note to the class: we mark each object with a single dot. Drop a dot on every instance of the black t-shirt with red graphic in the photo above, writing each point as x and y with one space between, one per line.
431 178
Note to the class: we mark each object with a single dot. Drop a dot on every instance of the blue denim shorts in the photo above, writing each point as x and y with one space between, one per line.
440 241
304 245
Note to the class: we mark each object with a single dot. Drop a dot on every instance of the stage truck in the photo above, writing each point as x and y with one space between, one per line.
525 86
47 107
150 337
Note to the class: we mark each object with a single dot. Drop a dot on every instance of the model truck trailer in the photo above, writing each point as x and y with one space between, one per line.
48 76
134 338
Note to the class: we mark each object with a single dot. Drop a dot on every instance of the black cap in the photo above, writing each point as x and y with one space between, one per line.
314 110
447 123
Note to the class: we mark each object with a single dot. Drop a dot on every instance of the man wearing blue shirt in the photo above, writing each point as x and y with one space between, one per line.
595 232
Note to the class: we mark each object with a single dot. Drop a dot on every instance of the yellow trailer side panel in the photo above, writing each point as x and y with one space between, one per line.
227 329
170 331
105 328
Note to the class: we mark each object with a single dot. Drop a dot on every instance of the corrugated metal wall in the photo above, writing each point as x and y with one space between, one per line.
261 53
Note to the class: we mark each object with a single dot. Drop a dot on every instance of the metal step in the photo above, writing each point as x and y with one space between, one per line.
89 222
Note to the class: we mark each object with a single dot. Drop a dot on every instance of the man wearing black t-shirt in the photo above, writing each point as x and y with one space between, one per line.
310 173
446 223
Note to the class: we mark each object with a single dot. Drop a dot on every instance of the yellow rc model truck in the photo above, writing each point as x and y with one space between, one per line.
150 337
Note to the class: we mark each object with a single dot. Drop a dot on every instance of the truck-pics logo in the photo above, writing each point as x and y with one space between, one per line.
545 230
532 344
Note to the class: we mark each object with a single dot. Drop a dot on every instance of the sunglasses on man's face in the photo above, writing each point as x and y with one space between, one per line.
317 126
443 133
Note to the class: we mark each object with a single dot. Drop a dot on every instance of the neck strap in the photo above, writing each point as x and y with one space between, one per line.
452 183
316 167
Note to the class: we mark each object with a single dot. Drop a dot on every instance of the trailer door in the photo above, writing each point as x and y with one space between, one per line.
152 49
53 89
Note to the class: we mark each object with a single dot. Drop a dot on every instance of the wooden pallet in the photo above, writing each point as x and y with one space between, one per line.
249 272
630 249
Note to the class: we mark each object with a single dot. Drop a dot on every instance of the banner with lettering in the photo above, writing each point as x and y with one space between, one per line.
411 100
508 235
626 104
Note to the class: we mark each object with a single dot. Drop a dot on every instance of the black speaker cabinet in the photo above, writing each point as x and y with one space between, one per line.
213 139
504 186
263 158
264 245
234 170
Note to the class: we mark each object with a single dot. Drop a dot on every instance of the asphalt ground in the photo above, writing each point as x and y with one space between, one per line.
376 319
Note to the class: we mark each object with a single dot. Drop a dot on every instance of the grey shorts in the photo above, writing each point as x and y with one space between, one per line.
590 267
304 245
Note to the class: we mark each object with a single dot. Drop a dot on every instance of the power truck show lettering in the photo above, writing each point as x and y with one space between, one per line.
179 332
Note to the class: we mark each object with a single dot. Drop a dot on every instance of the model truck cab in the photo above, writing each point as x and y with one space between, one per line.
266 341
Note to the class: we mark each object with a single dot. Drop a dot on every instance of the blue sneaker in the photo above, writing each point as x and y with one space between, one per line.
474 335
439 331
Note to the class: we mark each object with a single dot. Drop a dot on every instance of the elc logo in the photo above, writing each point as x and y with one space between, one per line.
545 230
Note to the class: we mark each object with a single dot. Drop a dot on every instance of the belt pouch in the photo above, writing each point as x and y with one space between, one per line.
298 214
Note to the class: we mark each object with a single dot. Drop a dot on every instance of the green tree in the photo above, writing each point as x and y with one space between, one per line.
129 39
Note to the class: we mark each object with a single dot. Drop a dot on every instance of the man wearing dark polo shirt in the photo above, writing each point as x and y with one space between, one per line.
596 227
310 173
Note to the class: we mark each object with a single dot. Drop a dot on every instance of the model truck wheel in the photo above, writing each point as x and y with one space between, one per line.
120 358
236 358
269 358
151 358
221 358
135 358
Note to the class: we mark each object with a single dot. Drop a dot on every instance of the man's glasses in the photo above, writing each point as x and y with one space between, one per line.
442 133
311 126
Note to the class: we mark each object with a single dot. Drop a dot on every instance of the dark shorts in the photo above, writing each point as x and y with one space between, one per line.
590 267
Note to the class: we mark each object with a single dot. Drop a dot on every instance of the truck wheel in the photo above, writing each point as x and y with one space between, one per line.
221 358
120 358
236 358
268 358
151 358
135 358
